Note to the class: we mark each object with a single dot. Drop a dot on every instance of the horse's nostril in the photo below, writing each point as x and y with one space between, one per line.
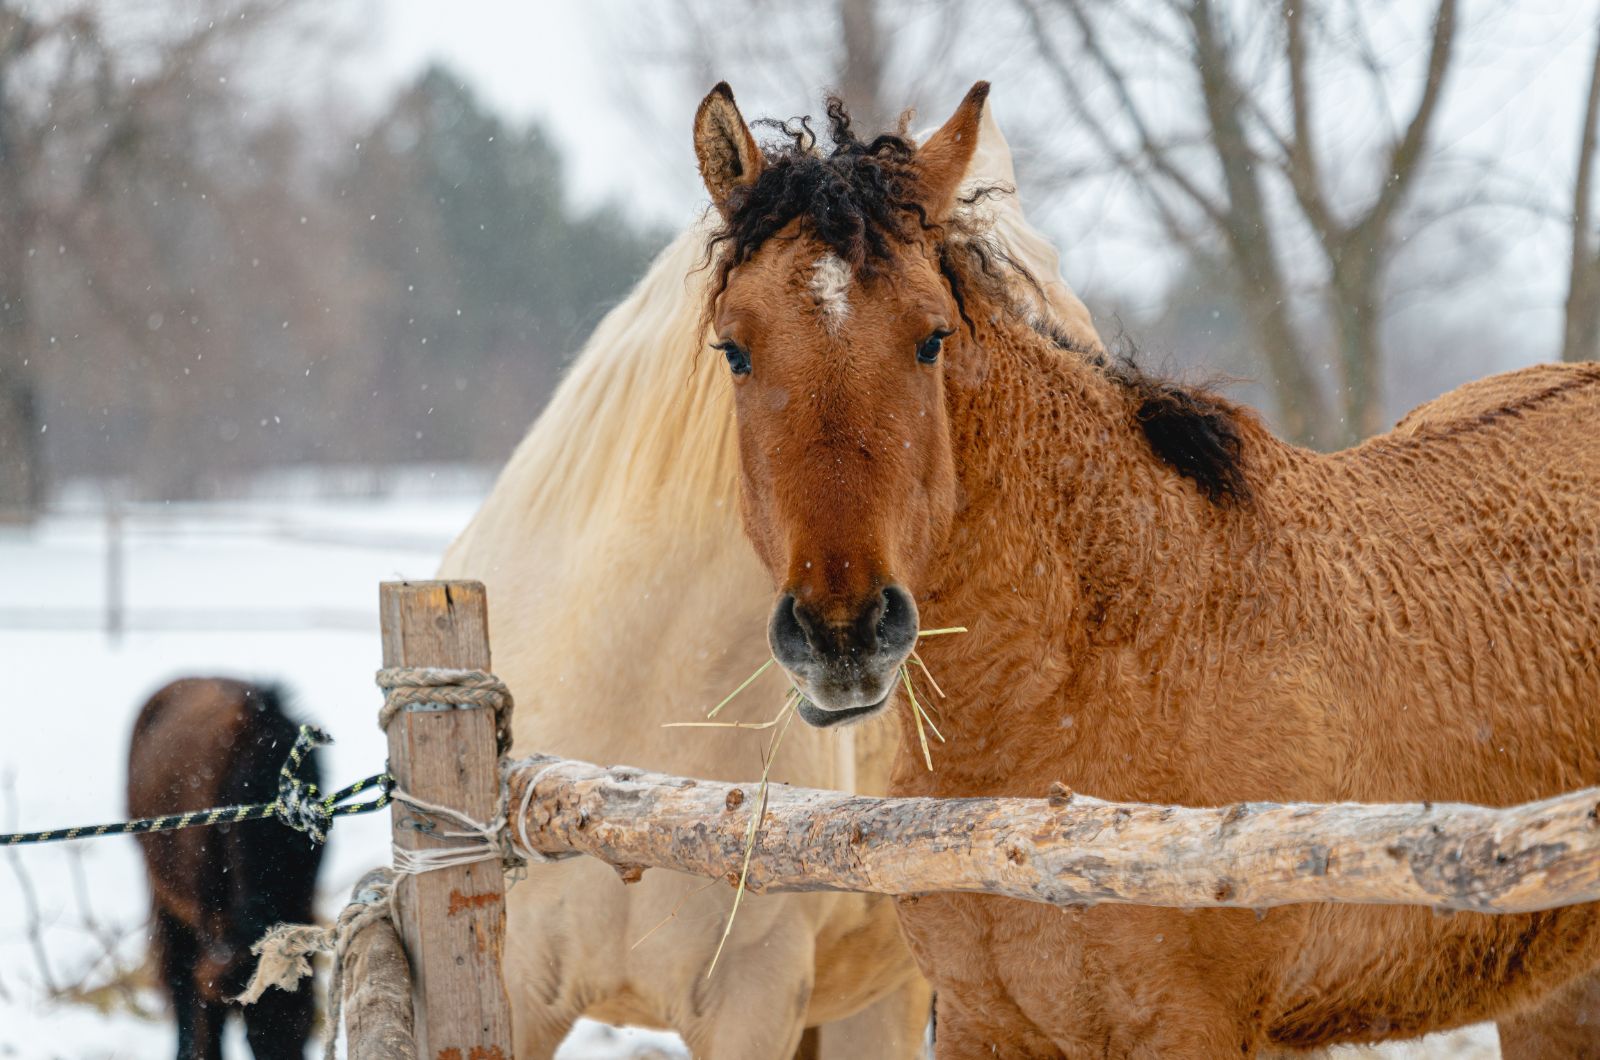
897 628
807 624
793 632
884 625
886 610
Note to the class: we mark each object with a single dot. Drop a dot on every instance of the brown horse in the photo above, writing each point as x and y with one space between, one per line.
199 743
1166 604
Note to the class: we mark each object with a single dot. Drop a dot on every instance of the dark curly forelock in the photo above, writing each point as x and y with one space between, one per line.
860 199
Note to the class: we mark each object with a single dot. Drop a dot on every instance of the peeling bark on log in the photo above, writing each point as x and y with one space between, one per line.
377 986
1072 849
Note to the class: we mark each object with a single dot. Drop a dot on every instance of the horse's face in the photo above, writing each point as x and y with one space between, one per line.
848 481
848 476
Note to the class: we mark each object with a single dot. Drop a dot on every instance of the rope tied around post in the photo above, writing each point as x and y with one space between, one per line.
422 687
451 919
433 687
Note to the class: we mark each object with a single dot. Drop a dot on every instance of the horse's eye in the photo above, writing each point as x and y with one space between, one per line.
928 349
738 356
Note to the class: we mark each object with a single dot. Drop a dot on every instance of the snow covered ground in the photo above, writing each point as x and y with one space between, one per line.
282 592
278 591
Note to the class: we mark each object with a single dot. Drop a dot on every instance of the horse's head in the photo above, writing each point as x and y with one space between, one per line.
839 313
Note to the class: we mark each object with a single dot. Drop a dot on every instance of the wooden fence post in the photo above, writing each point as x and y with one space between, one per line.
452 920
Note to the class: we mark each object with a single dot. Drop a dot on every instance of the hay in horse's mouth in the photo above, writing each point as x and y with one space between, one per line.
794 703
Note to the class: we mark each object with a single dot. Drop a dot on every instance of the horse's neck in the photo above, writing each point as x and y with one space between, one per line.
1055 478
1070 544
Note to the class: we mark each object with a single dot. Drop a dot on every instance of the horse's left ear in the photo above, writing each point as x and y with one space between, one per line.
727 153
942 161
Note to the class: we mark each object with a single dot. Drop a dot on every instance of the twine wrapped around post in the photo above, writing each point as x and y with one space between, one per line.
405 686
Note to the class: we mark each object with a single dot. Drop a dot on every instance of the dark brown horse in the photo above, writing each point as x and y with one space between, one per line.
199 743
1166 603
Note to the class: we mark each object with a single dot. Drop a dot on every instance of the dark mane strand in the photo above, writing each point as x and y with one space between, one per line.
1063 341
952 275
1190 429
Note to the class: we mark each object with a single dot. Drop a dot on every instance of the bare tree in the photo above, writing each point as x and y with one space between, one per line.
1253 125
879 56
98 106
862 58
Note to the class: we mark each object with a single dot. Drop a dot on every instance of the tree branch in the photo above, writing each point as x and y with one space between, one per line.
1405 160
1305 176
1153 152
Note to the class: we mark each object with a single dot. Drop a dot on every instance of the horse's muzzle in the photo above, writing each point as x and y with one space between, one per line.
845 665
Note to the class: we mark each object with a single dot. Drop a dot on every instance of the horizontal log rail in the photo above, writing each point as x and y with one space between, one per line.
1067 849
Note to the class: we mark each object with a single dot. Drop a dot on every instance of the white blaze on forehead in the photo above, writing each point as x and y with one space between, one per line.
830 284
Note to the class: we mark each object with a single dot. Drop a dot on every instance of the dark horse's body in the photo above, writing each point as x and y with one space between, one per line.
198 743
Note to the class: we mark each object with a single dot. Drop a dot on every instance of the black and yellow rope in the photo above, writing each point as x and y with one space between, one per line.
298 805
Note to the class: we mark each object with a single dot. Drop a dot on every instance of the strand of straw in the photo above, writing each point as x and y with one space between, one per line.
786 717
927 673
674 914
747 682
755 825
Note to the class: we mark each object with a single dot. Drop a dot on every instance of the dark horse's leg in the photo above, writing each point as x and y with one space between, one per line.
272 877
278 1025
199 1022
274 874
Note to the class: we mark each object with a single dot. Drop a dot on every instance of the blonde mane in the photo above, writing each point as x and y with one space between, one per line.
667 437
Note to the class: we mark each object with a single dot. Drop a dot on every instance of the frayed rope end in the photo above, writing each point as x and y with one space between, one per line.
285 954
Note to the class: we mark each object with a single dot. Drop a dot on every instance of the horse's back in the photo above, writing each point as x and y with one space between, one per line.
1498 395
185 739
1469 626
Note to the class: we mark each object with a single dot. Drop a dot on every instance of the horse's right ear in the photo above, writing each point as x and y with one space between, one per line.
728 155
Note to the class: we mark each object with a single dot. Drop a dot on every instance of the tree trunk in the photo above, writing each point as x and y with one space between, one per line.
21 470
1580 340
861 64
1302 414
1356 310
1263 292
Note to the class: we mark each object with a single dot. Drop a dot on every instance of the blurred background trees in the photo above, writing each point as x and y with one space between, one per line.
215 258
200 277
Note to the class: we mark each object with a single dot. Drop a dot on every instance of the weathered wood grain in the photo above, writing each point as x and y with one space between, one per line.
452 920
1074 850
377 986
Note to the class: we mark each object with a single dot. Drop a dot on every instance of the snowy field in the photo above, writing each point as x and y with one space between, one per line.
280 592
286 592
